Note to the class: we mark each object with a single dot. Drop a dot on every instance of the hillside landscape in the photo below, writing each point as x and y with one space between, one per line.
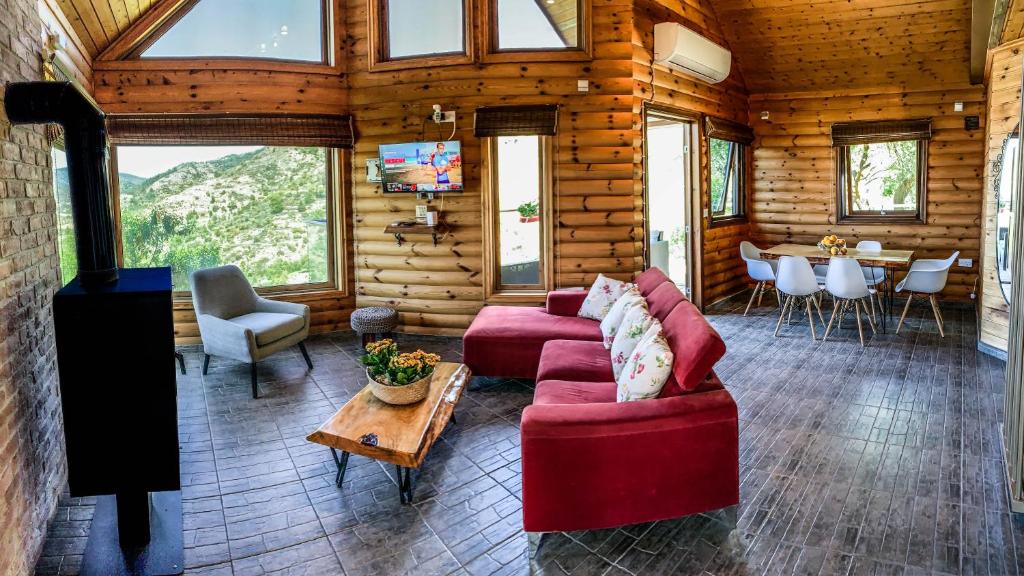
263 210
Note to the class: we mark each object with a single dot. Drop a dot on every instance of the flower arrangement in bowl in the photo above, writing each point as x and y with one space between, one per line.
397 378
833 245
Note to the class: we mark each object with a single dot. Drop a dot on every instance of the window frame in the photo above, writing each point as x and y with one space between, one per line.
327 44
844 201
337 280
379 53
583 50
494 291
740 215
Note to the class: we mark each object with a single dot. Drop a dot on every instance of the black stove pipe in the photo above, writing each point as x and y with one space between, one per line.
85 140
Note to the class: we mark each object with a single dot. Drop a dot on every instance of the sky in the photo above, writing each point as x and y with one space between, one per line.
148 161
290 30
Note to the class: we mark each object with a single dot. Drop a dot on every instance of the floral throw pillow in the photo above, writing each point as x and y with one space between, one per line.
614 318
602 296
647 369
635 324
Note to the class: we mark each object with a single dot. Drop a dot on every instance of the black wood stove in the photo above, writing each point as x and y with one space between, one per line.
115 342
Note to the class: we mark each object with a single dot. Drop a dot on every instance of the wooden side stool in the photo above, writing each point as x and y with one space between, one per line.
374 322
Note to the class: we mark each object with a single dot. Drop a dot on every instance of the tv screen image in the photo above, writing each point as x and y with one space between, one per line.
422 167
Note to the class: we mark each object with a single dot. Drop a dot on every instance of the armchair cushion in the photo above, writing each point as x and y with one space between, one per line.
269 327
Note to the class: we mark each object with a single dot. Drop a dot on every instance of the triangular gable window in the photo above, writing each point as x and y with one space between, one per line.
263 29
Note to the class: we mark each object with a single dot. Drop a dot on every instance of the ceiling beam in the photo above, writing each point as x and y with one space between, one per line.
982 12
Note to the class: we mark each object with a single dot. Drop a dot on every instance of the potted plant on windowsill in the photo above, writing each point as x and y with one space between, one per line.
529 212
398 378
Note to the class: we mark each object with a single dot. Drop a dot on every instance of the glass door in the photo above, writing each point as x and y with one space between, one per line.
669 155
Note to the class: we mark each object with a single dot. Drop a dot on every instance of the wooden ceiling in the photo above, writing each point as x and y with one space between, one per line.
98 22
1013 29
803 45
563 16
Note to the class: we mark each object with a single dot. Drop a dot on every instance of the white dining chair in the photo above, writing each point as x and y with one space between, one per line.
760 270
926 278
845 282
874 276
796 281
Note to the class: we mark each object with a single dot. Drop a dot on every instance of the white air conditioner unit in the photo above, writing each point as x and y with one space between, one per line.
682 49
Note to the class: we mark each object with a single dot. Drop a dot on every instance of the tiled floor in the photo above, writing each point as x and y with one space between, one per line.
877 460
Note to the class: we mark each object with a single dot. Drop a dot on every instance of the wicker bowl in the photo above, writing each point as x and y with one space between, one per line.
400 395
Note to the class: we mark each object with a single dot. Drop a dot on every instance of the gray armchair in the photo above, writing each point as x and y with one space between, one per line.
236 323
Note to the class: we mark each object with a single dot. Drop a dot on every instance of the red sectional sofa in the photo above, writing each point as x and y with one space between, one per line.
588 461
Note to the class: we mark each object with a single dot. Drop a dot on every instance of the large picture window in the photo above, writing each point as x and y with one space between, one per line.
517 207
261 29
881 170
405 30
264 208
537 30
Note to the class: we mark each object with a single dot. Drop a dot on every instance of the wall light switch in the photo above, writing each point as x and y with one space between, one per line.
583 85
965 262
958 106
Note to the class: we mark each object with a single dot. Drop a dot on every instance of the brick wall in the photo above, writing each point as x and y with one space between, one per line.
32 469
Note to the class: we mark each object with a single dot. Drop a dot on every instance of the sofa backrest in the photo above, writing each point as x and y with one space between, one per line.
695 344
663 299
650 279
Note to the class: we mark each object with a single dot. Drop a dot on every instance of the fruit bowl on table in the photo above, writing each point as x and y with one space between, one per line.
834 245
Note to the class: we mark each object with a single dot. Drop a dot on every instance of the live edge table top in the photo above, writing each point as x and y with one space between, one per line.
401 435
885 258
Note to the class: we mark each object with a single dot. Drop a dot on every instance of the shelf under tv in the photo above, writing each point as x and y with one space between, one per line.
402 227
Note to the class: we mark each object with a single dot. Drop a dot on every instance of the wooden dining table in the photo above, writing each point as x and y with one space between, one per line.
888 260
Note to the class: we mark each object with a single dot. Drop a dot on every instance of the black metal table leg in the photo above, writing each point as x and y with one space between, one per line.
342 463
404 484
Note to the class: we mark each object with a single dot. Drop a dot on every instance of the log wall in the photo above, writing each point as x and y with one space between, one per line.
1004 113
723 270
794 196
597 219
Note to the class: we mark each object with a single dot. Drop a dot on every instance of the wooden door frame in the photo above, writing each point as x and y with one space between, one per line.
693 201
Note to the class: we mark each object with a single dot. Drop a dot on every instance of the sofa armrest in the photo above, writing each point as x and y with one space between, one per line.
654 416
565 302
281 307
225 338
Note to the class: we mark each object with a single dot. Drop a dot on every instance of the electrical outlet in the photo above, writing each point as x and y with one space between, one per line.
583 85
965 262
448 116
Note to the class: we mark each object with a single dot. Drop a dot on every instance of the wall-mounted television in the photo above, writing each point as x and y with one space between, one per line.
422 167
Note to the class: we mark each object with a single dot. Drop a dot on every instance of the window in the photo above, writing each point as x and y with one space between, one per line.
263 29
517 207
403 30
882 180
727 178
881 169
264 208
528 24
65 225
727 143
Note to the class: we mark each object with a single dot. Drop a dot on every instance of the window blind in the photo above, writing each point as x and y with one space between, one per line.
850 133
540 120
324 131
723 129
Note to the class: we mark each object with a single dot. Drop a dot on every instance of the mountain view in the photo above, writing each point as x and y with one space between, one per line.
264 210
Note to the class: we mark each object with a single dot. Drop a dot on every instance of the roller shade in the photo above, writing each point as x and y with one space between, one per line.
539 120
325 131
723 129
850 133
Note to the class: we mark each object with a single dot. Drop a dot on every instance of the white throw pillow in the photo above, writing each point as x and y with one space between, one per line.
614 318
630 333
647 369
602 296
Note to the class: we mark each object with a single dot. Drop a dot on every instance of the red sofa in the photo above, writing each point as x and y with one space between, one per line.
588 461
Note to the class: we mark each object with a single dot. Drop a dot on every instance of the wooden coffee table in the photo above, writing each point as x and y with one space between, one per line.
400 435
